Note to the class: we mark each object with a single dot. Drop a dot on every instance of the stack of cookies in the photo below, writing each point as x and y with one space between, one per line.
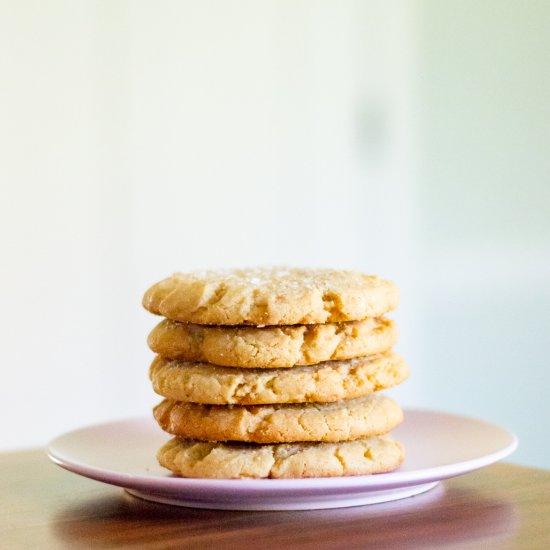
274 373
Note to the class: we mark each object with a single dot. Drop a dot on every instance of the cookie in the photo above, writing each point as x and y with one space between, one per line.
370 455
325 382
273 346
374 414
271 297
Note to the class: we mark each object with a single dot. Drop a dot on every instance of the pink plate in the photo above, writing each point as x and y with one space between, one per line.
437 446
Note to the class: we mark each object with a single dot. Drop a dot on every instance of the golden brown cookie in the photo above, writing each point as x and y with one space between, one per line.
374 414
273 346
370 455
271 297
331 381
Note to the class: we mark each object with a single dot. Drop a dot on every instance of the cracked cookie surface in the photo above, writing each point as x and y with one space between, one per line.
274 296
325 382
272 346
199 459
374 414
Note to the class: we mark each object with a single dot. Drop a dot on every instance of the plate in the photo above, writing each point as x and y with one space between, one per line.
437 446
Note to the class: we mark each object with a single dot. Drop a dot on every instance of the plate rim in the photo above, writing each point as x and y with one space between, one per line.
388 480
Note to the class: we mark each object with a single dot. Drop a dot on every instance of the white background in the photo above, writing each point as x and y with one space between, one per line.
406 139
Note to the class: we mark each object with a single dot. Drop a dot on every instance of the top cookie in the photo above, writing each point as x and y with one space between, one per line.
271 296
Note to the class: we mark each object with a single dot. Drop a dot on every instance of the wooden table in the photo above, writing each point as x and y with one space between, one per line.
43 506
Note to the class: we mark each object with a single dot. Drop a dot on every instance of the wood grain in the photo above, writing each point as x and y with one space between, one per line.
502 506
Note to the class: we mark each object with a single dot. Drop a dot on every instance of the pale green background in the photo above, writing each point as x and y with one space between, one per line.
404 138
484 191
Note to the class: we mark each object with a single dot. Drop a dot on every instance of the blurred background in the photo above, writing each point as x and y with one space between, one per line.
403 138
